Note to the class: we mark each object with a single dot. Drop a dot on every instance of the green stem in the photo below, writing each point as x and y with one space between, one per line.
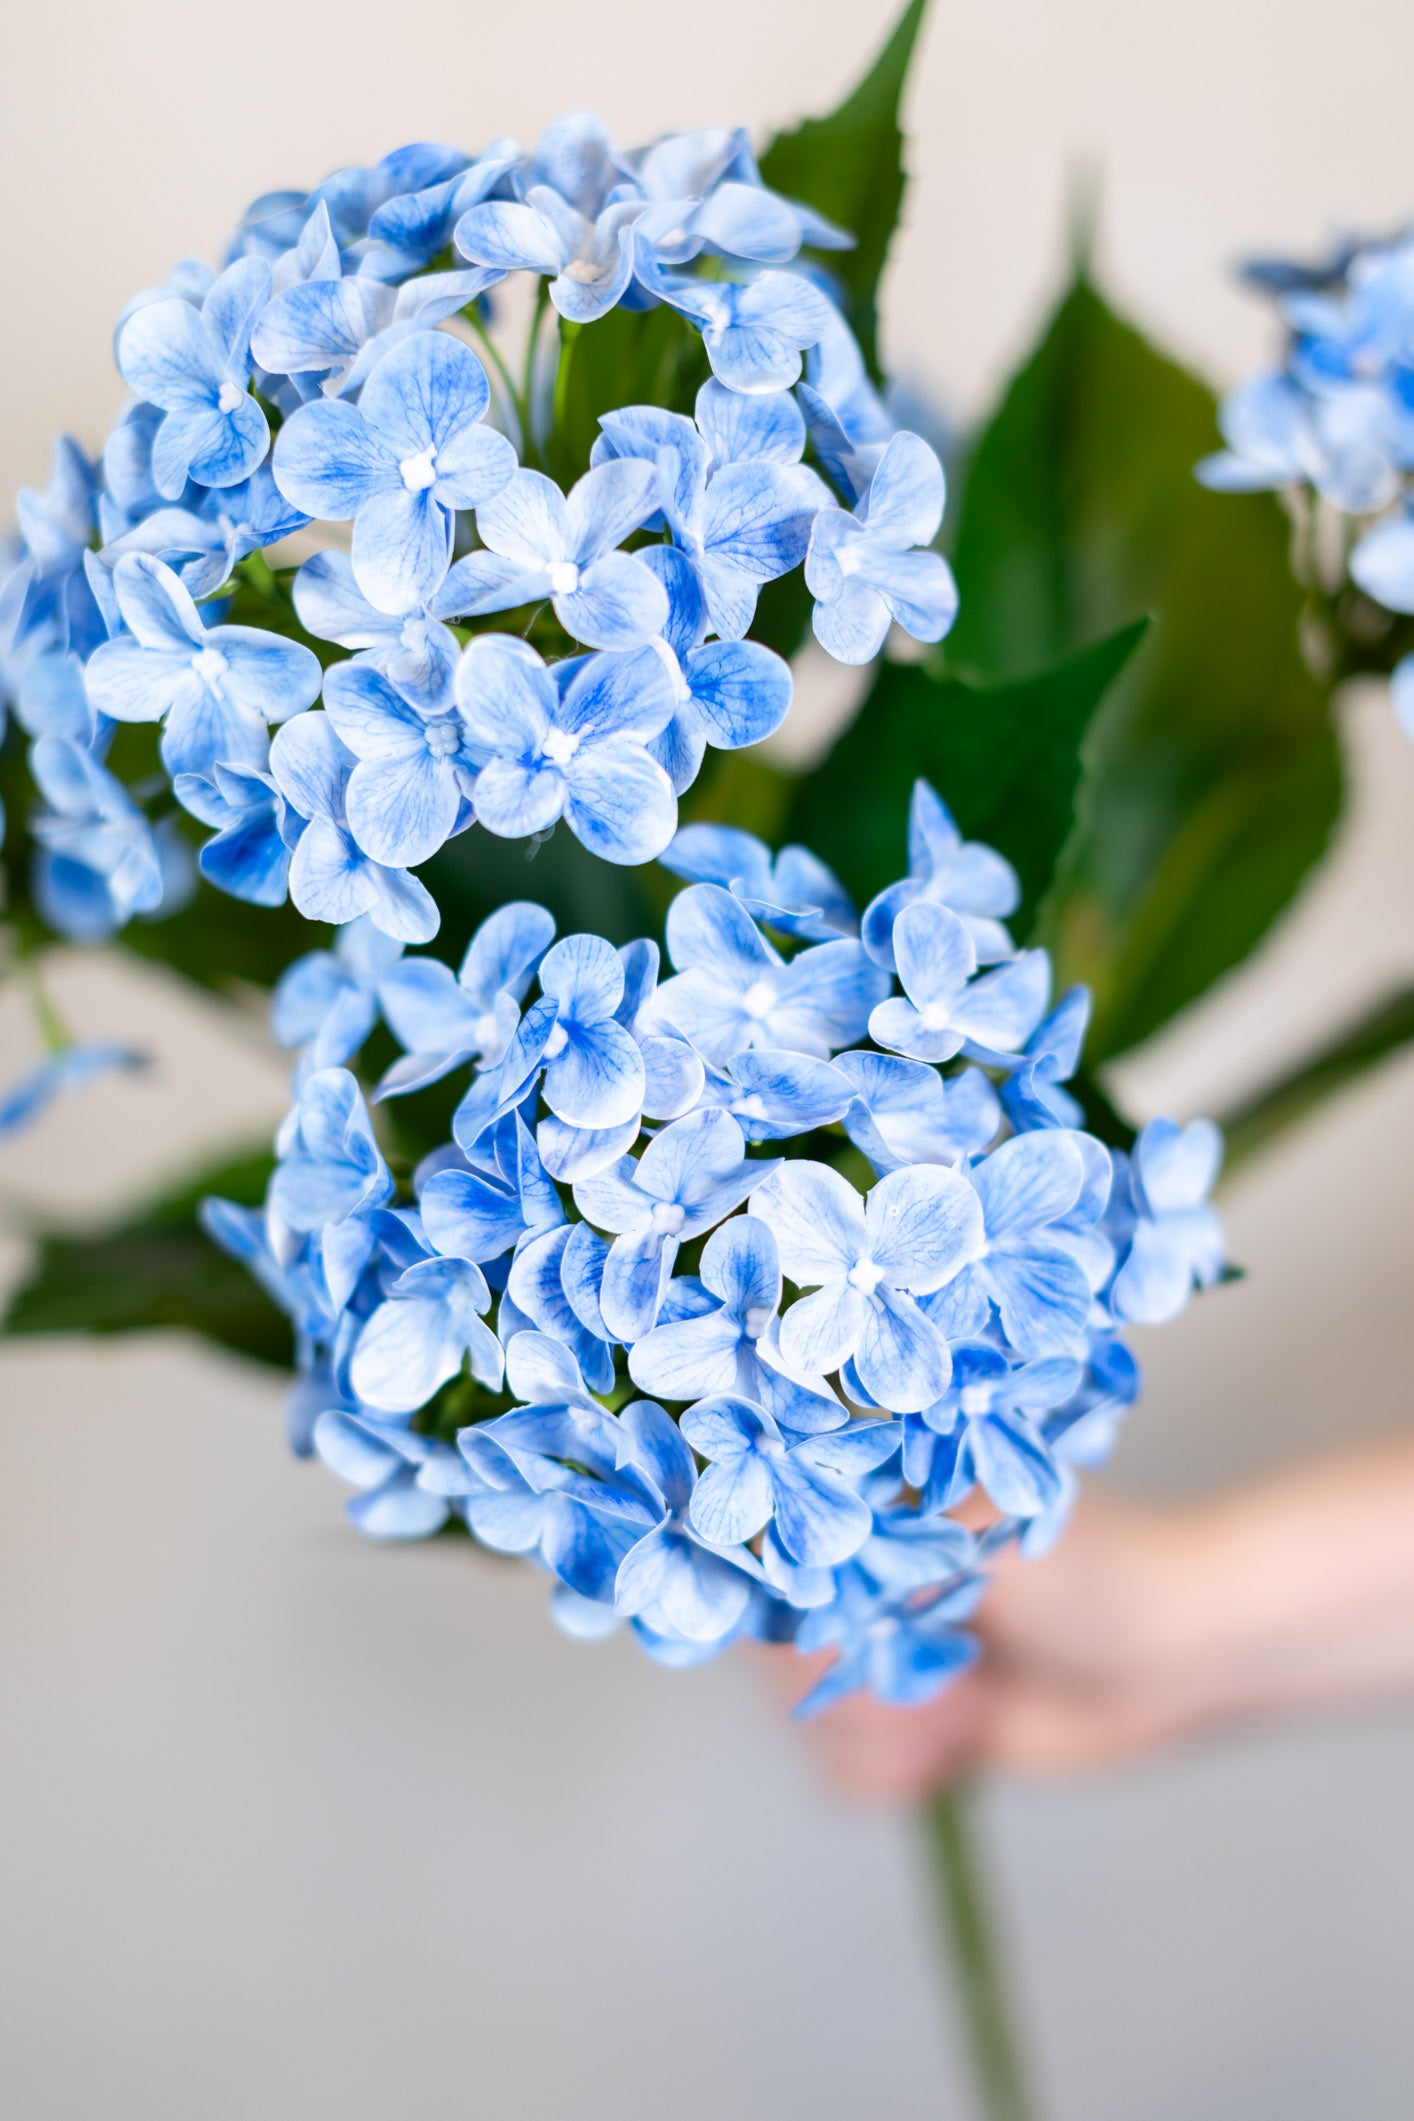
968 1920
568 334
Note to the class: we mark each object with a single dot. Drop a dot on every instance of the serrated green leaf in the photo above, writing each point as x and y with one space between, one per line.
157 1269
849 167
1213 776
1006 758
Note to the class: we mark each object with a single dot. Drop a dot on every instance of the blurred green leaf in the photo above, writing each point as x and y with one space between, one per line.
629 357
1006 756
157 1269
1363 1045
849 167
1212 779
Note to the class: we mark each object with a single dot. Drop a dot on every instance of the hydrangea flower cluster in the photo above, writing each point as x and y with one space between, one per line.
1337 417
733 1282
325 384
738 1276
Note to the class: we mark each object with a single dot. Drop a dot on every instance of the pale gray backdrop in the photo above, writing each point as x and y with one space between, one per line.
294 1826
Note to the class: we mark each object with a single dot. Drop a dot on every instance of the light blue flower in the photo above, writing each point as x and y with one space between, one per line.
757 1476
1033 1094
849 424
443 1020
903 1655
411 788
99 862
1027 1268
979 884
385 1460
1178 1239
46 601
496 1199
331 1180
328 1001
946 1007
52 700
725 693
704 191
904 1112
569 742
432 1322
1343 443
554 1284
202 545
540 543
773 1094
732 990
753 333
714 1351
331 878
1382 562
688 1178
987 1430
248 854
588 259
862 568
215 688
399 464
328 335
195 364
792 892
867 1260
350 197
593 1069
414 226
72 1068
415 648
673 1579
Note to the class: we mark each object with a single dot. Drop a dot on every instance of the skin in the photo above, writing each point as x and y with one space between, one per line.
1147 1626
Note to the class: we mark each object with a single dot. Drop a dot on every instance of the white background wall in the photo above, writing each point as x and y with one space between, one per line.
294 1826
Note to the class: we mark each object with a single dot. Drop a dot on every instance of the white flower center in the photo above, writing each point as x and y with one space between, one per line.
759 999
442 737
975 1399
560 746
229 397
756 1321
668 1217
556 1043
564 578
419 472
935 1016
210 665
752 1107
865 1276
583 271
487 1032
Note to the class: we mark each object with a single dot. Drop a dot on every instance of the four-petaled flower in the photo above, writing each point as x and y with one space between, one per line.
946 1008
195 364
863 570
541 543
331 878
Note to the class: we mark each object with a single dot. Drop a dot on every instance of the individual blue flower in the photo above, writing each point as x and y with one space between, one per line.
758 1476
1382 562
947 1008
415 649
979 884
328 1001
714 1351
673 1579
753 333
385 1460
1028 1188
47 601
350 198
414 226
594 1074
867 1261
330 334
411 788
568 742
1178 1239
71 1068
704 191
904 1655
792 892
195 364
904 1112
986 1429
443 1020
688 1178
1278 434
331 878
495 1199
99 861
862 569
432 1322
732 990
331 1181
52 700
588 259
772 1094
400 464
1033 1094
215 688
553 1285
248 854
725 693
540 543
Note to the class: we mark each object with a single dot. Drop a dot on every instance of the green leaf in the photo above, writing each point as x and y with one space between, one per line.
1213 776
157 1269
849 167
1373 1038
629 357
1006 757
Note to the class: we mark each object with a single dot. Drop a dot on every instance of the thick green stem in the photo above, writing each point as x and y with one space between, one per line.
967 1918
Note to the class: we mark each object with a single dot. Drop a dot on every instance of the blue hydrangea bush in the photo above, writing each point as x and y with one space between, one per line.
763 1284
